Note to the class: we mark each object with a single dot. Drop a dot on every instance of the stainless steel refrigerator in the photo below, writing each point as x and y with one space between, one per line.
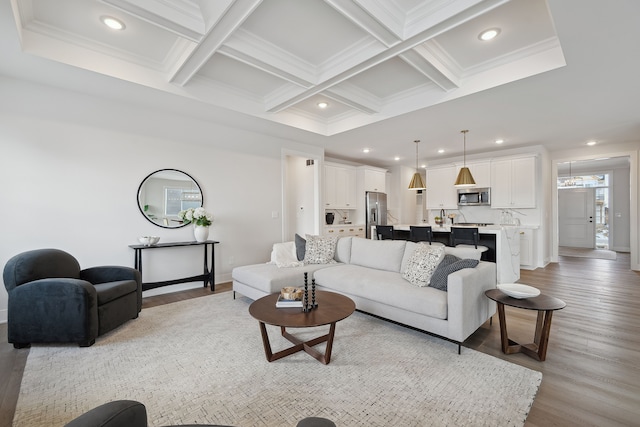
376 210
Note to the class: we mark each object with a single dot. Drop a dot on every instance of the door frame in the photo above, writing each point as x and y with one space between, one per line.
317 189
633 196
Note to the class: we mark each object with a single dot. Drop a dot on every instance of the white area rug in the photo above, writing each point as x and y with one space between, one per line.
202 361
587 253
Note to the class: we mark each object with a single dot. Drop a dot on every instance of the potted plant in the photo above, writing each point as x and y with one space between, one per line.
201 220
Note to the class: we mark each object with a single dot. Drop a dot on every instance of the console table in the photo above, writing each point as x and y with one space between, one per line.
208 275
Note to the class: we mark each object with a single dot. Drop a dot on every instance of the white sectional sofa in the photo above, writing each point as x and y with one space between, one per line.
370 273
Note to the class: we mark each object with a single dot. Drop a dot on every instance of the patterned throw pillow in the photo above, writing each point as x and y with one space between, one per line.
440 277
320 249
422 264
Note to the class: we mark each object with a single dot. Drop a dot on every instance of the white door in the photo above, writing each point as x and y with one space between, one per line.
576 213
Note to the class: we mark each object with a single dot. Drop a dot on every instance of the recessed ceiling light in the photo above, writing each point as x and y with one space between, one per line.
440 151
113 23
489 34
365 150
323 105
499 141
591 143
423 166
396 158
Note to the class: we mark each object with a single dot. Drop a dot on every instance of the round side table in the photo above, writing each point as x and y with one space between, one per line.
544 304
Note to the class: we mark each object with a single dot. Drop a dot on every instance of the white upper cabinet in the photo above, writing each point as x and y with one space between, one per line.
373 179
513 183
481 172
441 194
339 186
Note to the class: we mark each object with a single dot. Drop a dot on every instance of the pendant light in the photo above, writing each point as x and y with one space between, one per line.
465 179
416 182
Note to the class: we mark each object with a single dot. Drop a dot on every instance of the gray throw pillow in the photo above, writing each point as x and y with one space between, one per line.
441 275
300 247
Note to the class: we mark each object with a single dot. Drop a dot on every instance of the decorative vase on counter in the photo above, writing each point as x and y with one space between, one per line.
201 233
330 217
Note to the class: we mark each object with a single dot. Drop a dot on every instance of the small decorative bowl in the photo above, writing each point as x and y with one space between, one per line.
291 293
148 240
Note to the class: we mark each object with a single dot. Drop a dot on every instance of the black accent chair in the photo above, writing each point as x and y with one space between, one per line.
384 232
129 413
51 300
466 237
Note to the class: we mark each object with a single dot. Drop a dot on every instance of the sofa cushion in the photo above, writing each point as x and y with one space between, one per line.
449 264
384 287
300 247
110 291
269 279
320 249
343 249
422 264
379 254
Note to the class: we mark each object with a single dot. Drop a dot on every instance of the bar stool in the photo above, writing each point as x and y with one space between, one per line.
466 237
384 232
418 233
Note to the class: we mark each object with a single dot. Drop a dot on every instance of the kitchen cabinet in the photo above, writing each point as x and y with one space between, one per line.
373 179
526 248
481 172
339 186
345 230
513 183
441 194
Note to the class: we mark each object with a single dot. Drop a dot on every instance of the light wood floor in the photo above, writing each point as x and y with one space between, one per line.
592 373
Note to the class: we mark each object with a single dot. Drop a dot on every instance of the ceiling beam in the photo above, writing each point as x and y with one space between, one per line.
239 11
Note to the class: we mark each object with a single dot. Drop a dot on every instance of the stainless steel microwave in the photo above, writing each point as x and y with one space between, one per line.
474 197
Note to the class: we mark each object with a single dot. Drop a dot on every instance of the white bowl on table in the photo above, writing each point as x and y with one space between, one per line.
148 240
518 290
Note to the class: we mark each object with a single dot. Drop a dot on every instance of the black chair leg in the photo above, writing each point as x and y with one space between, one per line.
87 343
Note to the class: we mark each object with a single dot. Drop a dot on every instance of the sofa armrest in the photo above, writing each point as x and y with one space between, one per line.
468 306
53 310
111 273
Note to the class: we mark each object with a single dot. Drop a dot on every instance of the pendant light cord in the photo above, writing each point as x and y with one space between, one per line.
464 147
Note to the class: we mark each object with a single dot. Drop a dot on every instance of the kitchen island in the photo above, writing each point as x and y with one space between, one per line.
503 243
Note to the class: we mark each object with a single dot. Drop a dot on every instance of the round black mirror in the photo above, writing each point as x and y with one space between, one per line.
166 192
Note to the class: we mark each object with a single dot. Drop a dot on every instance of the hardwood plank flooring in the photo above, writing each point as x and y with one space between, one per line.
592 373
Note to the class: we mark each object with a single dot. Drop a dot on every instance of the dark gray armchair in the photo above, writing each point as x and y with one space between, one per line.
51 300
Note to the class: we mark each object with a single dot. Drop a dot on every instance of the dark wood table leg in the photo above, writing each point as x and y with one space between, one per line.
543 329
537 349
299 345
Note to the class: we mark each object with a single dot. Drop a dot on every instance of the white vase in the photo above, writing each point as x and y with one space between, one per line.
201 233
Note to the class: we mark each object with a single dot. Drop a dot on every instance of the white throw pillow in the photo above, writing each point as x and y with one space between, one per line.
284 255
320 249
422 264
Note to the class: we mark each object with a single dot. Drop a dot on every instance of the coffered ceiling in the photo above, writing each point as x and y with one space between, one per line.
278 59
388 70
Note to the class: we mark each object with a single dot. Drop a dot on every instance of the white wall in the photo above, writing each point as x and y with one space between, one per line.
71 165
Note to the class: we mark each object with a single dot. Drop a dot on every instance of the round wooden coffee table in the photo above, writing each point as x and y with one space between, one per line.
332 308
544 304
